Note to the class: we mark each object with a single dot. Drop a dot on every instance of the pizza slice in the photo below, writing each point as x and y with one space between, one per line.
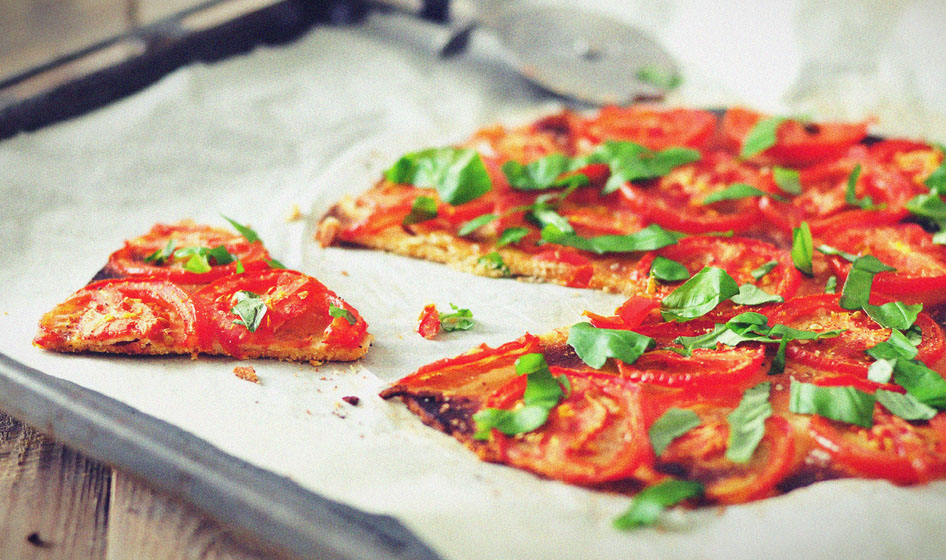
191 289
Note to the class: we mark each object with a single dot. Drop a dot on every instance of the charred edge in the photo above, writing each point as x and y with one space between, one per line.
562 355
105 273
453 416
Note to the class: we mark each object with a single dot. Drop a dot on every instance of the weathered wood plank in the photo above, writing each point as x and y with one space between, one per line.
53 501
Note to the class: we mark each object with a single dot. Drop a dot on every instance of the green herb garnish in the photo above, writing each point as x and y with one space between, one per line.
543 173
543 393
738 191
250 308
594 346
747 423
458 174
475 224
699 295
764 269
458 320
246 231
904 406
423 209
844 404
511 235
336 311
651 501
494 261
761 137
802 249
668 270
161 255
750 294
787 180
648 239
672 424
856 291
658 76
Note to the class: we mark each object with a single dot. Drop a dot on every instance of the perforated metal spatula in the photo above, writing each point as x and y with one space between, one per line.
566 50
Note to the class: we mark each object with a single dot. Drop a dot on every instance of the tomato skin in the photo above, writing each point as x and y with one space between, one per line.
652 126
893 449
796 144
915 159
730 366
675 201
428 324
130 315
594 435
920 264
297 314
629 315
129 261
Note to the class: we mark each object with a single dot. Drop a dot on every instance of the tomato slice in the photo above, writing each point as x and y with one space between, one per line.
629 315
700 454
594 435
428 324
920 263
893 449
296 317
649 125
846 352
797 143
728 366
917 160
127 316
675 201
575 268
130 261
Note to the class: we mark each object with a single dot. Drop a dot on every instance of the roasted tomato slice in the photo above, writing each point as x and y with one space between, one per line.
700 454
654 127
893 449
920 263
428 324
296 315
727 366
739 257
675 201
797 143
128 316
596 434
574 269
130 261
823 202
917 160
845 353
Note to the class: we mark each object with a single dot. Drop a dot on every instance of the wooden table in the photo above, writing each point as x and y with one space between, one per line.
56 503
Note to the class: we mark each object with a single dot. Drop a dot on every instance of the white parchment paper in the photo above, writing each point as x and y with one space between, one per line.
300 125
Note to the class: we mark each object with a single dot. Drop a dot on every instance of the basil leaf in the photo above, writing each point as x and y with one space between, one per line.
699 295
787 179
894 315
651 501
665 161
896 346
594 346
761 137
936 182
708 340
423 209
239 267
629 161
273 263
904 406
929 206
648 239
850 195
250 308
196 259
829 250
458 174
494 261
542 173
220 255
511 235
161 255
510 422
475 224
336 311
738 191
459 320
668 270
747 423
243 230
544 216
831 286
543 392
659 77
672 424
856 291
802 251
750 294
844 404
924 384
881 371
764 269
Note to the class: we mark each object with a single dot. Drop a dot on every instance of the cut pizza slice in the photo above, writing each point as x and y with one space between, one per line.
216 304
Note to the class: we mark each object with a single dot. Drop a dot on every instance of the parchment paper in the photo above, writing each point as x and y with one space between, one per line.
299 125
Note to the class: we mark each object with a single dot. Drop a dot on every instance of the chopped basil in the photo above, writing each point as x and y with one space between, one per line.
243 230
764 269
459 320
894 315
511 235
594 346
750 294
273 263
629 161
544 216
250 308
831 286
475 224
896 346
668 270
829 250
802 249
198 258
929 206
926 385
458 174
672 424
787 179
161 255
651 501
648 239
881 371
850 192
904 406
658 76
761 137
494 261
844 404
239 267
936 182
737 191
699 295
543 393
336 311
542 173
747 423
856 291
423 209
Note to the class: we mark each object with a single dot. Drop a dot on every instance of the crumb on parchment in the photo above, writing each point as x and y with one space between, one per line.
294 213
246 373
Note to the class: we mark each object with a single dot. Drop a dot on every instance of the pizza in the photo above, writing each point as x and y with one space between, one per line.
785 284
193 289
